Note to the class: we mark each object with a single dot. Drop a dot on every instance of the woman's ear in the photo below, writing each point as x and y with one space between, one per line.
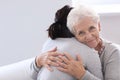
99 26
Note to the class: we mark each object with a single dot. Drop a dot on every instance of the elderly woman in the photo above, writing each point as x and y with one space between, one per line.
84 24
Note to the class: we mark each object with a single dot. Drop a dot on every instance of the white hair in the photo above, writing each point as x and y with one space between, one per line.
78 13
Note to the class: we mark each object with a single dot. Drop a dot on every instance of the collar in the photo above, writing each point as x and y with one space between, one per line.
102 48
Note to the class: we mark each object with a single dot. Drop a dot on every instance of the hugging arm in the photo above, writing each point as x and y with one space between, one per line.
92 71
92 61
34 70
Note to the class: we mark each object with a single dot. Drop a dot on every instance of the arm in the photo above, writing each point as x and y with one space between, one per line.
34 70
112 66
45 59
76 69
89 76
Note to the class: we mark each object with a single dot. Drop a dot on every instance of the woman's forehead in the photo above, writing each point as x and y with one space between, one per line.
85 22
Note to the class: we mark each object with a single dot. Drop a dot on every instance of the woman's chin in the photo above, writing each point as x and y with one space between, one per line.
91 45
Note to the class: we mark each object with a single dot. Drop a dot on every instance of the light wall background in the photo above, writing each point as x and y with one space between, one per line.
96 2
23 25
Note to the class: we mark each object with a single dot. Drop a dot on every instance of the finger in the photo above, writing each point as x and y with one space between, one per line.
53 54
64 59
53 50
68 56
54 64
58 59
63 65
79 58
48 62
55 58
52 58
62 69
51 63
61 54
48 67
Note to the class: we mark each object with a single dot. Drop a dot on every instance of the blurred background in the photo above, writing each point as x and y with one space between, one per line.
23 24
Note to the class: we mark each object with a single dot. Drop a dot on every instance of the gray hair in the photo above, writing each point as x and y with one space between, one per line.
78 13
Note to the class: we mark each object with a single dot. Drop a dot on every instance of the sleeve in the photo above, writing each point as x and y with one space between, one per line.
34 70
93 72
89 76
112 67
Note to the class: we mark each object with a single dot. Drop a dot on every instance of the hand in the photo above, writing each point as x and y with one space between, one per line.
71 66
48 59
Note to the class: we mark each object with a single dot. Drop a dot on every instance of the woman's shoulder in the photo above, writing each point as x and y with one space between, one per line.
111 45
111 48
65 41
73 42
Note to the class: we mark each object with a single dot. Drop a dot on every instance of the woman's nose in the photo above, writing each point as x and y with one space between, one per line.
88 36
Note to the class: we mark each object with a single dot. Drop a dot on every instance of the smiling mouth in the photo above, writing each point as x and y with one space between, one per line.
90 41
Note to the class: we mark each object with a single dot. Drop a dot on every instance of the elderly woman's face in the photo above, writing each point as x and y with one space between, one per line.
87 32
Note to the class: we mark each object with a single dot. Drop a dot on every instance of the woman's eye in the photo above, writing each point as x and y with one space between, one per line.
81 33
92 28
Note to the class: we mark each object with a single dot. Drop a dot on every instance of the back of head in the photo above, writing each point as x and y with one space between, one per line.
78 13
59 29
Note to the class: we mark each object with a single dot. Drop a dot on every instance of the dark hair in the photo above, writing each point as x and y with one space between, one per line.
59 28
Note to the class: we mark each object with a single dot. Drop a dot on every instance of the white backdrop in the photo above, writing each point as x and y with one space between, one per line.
97 2
23 25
